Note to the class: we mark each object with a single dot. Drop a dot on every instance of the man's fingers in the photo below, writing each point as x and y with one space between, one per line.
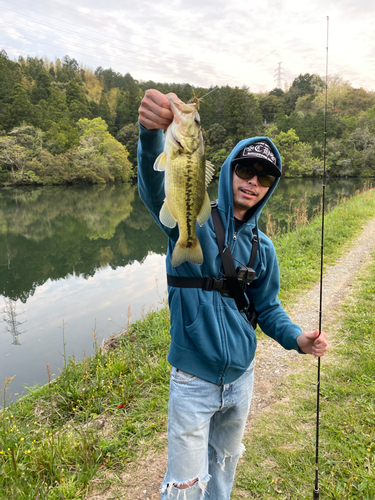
320 345
154 111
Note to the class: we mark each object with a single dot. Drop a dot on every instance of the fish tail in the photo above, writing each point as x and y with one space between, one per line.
183 253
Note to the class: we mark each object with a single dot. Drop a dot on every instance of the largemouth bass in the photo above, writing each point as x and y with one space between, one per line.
187 175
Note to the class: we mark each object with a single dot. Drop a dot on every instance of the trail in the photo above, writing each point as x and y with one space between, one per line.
142 481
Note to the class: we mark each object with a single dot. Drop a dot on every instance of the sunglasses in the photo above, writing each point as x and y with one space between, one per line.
249 171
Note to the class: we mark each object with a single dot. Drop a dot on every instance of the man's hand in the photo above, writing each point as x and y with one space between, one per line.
155 110
313 343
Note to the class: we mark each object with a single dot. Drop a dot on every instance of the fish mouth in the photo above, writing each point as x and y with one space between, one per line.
176 140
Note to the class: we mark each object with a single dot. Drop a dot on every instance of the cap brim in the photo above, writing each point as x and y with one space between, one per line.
270 168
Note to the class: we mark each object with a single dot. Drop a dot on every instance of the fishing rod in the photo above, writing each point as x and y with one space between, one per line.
316 486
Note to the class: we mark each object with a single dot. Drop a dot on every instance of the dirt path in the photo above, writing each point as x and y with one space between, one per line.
141 481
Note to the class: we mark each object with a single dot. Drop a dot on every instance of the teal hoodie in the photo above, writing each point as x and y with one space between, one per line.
210 338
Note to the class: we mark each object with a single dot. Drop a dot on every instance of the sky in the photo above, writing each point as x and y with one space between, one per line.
201 42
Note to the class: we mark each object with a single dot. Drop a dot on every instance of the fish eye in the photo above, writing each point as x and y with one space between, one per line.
197 120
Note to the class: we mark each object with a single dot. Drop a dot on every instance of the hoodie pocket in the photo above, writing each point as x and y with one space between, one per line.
241 340
205 333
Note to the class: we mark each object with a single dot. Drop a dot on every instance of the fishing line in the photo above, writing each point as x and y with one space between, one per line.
316 486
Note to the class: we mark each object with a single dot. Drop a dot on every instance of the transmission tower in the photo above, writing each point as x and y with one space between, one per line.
11 320
279 76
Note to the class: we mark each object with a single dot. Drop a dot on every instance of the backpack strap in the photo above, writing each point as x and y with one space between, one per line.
254 249
228 264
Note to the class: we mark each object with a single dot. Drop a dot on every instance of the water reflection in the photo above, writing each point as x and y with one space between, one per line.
84 256
11 318
292 195
58 232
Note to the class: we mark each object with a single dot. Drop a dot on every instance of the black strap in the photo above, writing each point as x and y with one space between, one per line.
228 264
204 283
254 249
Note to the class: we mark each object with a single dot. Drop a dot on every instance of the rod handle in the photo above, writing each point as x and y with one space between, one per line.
316 494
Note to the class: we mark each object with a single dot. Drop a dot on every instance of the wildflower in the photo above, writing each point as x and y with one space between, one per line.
1 452
22 439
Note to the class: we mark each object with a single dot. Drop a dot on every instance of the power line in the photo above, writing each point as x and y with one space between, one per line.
97 20
74 44
162 54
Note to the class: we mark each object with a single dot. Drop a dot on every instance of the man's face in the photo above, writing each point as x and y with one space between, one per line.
246 194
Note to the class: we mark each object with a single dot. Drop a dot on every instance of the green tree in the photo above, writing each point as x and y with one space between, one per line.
20 108
74 93
68 70
302 85
217 134
60 137
17 149
128 103
32 66
78 110
128 136
357 100
10 74
61 132
43 88
94 109
105 112
296 156
363 144
102 154
241 115
270 106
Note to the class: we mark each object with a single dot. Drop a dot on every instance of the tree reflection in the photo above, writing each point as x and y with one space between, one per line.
54 232
51 233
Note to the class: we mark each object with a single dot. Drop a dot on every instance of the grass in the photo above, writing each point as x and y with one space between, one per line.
98 413
106 410
280 458
299 251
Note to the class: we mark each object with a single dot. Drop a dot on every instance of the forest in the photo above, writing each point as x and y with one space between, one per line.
62 123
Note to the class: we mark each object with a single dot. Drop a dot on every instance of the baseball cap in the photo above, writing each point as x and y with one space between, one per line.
259 152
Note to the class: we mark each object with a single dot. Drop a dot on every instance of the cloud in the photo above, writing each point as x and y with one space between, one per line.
205 42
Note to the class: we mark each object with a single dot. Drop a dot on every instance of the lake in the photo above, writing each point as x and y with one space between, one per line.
78 260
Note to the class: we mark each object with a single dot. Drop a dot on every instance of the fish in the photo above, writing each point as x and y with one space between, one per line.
186 177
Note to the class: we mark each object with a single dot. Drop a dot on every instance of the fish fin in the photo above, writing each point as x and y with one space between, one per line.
165 216
210 170
205 212
182 253
160 162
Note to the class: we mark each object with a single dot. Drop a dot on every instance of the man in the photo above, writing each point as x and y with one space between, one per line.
212 343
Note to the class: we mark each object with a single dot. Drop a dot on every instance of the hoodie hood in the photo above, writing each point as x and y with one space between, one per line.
225 200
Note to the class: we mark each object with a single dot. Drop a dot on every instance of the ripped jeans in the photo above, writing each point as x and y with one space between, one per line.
205 431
